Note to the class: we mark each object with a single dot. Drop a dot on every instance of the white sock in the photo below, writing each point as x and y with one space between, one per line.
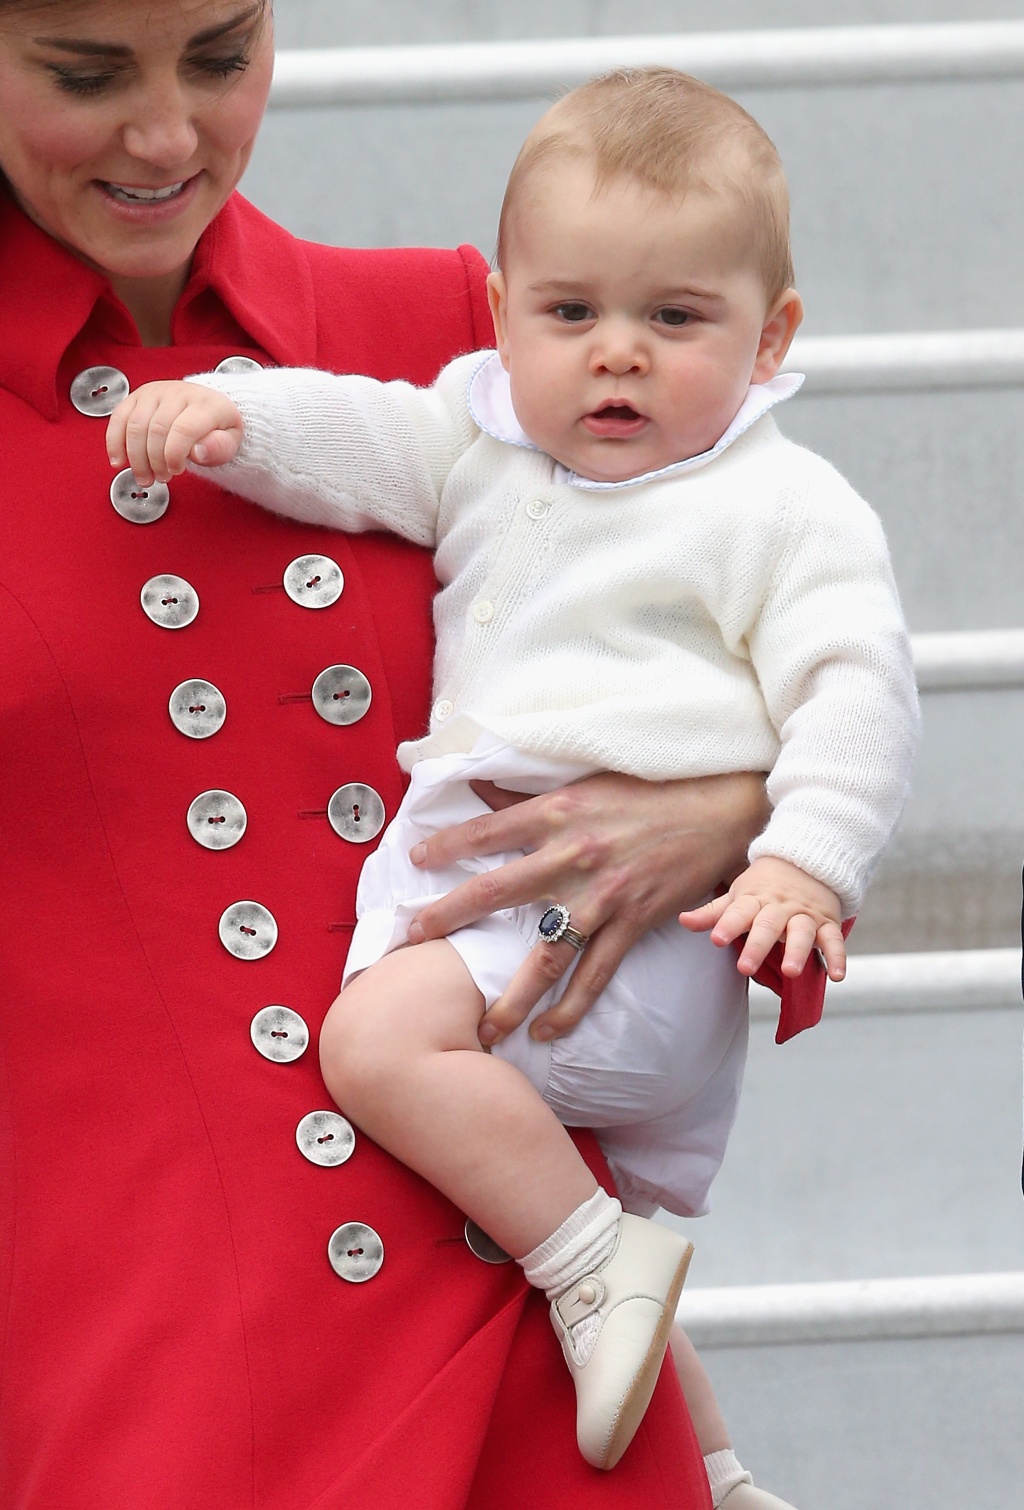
724 1472
580 1245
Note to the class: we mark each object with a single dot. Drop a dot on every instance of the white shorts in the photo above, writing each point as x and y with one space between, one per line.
654 1067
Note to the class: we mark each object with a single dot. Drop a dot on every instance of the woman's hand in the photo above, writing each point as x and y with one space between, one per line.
622 854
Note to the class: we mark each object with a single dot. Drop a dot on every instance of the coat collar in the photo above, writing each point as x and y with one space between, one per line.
247 274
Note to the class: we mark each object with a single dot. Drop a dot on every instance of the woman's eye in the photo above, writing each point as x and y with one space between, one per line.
573 312
674 317
79 83
223 68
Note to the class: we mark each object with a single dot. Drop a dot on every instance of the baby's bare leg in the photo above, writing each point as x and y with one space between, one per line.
401 1057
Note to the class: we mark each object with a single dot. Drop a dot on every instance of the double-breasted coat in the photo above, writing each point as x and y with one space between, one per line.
173 1335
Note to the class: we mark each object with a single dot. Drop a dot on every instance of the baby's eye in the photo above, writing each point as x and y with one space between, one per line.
573 312
673 316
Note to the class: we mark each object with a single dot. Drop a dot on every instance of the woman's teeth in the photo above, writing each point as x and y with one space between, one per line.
143 196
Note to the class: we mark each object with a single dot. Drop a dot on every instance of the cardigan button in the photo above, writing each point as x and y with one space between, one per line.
313 581
325 1138
197 708
239 364
538 508
216 819
356 813
279 1034
98 390
137 504
170 601
442 709
247 930
355 1251
341 695
483 612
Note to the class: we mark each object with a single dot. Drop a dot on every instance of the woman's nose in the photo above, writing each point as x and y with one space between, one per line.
161 131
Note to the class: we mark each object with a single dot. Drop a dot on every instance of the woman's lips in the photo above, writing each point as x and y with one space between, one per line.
614 422
138 202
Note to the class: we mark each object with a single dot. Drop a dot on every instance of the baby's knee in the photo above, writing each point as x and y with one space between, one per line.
354 1054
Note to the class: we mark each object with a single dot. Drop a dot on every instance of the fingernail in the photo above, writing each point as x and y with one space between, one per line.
542 1033
418 854
415 934
199 454
487 1033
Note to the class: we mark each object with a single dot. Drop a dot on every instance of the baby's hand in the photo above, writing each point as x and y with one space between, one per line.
161 426
773 899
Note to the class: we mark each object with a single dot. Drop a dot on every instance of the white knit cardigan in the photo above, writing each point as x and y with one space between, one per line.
739 615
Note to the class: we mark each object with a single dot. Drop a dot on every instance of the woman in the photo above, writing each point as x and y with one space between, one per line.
183 822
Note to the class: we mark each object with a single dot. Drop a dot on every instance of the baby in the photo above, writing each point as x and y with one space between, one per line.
638 574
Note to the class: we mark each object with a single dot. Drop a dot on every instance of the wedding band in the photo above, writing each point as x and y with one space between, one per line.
554 928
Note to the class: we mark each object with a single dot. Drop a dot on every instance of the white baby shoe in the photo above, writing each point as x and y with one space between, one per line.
614 1328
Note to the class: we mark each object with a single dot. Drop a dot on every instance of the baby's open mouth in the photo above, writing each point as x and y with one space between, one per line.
616 411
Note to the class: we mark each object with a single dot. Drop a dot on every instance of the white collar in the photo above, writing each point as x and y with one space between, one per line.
490 405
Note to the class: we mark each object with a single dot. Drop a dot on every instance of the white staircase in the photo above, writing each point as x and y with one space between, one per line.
858 1288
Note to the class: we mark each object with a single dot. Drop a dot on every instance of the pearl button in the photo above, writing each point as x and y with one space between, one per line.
239 364
313 581
538 508
355 1252
216 819
137 504
356 812
341 695
279 1034
483 611
98 390
197 708
247 930
325 1138
170 601
443 709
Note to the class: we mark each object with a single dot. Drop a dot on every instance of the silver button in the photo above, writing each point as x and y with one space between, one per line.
170 601
443 709
137 504
483 1246
538 508
341 695
313 581
98 390
279 1034
483 611
355 1252
216 819
197 708
325 1138
356 813
239 364
247 930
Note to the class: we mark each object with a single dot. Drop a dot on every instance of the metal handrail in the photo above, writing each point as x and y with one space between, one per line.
949 1305
919 360
943 980
787 57
968 659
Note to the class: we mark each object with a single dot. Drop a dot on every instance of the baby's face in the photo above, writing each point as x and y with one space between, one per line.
630 323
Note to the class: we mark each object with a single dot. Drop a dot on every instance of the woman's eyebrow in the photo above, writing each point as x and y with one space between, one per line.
114 50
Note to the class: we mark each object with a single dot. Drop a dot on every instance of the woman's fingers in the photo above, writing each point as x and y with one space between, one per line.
598 963
512 885
543 968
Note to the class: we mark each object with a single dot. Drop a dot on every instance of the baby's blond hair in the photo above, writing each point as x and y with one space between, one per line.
672 133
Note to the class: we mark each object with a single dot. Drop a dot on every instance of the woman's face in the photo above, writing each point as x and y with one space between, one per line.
125 124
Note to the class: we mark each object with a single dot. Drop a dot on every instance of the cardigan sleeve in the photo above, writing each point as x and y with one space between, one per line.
344 451
833 658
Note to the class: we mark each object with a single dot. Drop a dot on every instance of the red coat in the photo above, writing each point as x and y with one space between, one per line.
175 1338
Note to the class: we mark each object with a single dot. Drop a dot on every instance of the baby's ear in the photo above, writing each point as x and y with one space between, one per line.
497 297
780 326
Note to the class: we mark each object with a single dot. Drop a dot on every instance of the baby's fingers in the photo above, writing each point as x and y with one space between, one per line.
700 919
832 944
801 937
